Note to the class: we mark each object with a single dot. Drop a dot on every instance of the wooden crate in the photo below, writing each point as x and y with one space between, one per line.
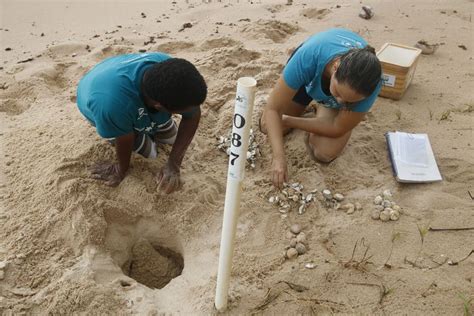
398 67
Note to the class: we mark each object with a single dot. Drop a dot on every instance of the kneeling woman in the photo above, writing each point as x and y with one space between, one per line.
340 71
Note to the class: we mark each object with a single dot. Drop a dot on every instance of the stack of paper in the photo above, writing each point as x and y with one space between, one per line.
412 157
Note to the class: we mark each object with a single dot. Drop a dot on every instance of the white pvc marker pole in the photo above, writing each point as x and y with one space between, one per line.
241 122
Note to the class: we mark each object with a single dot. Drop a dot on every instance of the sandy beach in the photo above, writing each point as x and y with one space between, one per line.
69 244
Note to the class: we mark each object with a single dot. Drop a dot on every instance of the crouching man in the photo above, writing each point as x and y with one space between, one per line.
130 99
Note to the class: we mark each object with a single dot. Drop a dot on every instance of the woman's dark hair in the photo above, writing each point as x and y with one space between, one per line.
175 83
360 69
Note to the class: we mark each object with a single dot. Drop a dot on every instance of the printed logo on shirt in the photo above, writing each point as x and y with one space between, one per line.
349 42
141 113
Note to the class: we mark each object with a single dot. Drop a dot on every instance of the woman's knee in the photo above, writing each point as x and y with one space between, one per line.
324 157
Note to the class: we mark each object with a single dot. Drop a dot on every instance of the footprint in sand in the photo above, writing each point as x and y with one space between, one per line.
172 47
219 43
314 13
273 30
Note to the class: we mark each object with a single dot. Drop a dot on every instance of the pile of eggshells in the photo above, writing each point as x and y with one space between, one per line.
292 197
385 209
297 242
334 201
224 144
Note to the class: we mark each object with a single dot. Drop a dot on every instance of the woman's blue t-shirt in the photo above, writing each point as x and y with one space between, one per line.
307 65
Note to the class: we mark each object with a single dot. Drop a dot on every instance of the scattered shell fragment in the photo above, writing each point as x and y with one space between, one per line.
378 200
385 216
300 248
301 238
293 242
327 194
366 12
349 207
339 197
375 214
301 208
387 195
295 229
272 199
310 265
291 253
309 198
394 215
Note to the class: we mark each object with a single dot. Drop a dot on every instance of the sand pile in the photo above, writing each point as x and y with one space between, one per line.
73 245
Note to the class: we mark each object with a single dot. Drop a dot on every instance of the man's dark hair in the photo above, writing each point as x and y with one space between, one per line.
175 83
360 69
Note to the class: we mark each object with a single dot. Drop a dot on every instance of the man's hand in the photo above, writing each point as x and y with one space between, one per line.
169 178
279 172
108 172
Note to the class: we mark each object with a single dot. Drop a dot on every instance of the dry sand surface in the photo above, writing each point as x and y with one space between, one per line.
73 245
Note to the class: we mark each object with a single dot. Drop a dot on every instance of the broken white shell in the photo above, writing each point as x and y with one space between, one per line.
327 194
378 200
271 199
301 209
339 197
310 265
309 197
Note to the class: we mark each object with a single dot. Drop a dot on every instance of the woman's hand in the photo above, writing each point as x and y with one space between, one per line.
279 172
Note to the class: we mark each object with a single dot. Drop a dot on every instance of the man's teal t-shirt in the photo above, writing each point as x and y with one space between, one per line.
306 66
109 96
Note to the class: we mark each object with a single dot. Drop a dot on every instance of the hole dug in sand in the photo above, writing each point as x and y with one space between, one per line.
146 251
153 266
